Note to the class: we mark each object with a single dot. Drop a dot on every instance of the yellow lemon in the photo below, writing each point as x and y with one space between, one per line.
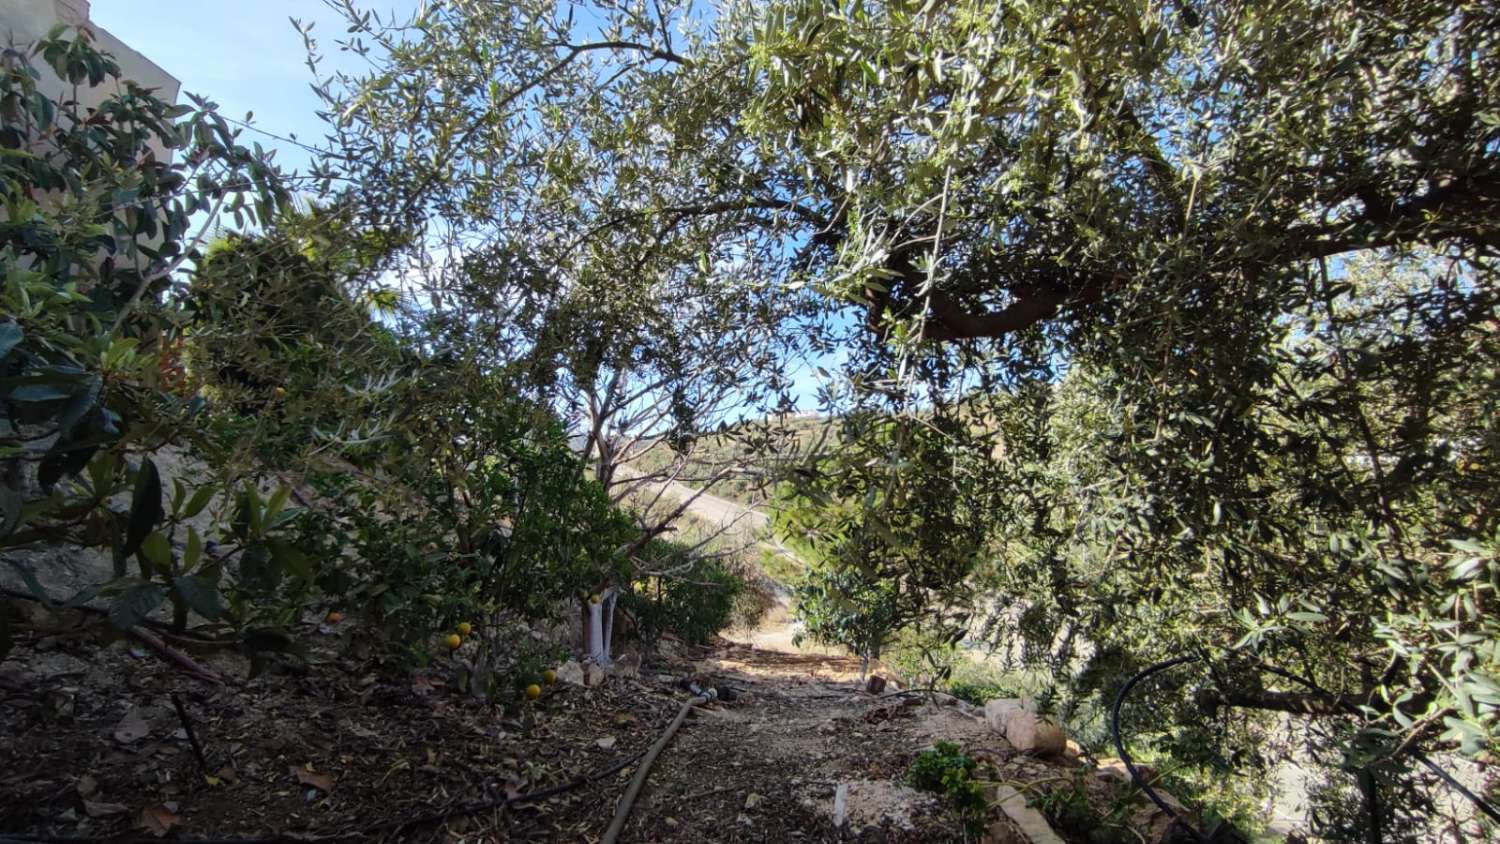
334 617
533 691
549 676
465 628
454 640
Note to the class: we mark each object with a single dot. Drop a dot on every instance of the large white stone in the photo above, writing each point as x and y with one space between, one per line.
593 675
998 711
570 672
1034 735
1029 822
1017 720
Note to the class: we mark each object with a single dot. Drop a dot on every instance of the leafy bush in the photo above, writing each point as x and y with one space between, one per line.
486 515
844 607
96 222
947 771
1070 809
283 344
688 596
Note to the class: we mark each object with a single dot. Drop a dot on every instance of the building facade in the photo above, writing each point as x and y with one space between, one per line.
23 22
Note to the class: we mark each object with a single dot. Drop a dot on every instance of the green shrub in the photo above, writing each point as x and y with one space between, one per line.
1070 810
96 223
947 771
691 598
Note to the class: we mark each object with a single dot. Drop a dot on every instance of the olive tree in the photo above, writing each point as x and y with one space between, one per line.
1221 276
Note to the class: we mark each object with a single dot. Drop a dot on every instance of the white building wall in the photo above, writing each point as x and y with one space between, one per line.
23 22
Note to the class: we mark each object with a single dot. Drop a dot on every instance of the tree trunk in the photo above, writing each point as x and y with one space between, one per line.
601 626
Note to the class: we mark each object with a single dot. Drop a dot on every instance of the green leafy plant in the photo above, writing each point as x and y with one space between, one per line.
98 207
677 592
947 771
1070 809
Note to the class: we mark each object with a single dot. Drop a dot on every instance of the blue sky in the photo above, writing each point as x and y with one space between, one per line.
242 54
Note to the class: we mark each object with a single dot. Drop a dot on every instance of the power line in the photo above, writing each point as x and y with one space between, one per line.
283 138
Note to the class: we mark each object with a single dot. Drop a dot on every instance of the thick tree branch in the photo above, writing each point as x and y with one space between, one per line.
950 321
1457 210
1302 703
665 55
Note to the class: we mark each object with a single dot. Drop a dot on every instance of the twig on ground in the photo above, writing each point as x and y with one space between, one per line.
186 662
162 628
709 793
187 726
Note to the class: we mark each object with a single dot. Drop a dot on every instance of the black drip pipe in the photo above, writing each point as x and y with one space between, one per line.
1135 775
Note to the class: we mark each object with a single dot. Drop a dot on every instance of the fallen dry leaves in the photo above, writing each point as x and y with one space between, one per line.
307 776
158 820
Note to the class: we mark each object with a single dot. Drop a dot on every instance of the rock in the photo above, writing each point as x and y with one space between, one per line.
999 710
752 800
1028 821
1172 802
570 672
1158 826
1114 770
1016 719
875 685
1072 749
54 665
840 805
134 726
627 666
1034 735
593 675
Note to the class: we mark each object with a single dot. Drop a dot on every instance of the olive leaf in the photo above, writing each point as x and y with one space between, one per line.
200 594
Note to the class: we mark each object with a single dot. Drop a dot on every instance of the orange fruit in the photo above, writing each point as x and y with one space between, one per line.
465 628
549 676
533 691
454 640
334 616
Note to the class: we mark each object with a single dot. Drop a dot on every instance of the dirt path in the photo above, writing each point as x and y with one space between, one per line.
710 508
767 766
776 630
94 748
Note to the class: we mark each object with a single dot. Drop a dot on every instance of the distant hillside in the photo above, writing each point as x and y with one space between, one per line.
750 453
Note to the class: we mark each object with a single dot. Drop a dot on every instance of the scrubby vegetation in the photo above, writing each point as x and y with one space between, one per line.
945 770
345 452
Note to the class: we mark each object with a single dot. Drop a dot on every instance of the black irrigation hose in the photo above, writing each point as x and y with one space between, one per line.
1114 727
1479 802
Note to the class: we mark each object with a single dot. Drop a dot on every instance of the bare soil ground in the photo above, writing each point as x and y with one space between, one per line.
92 748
